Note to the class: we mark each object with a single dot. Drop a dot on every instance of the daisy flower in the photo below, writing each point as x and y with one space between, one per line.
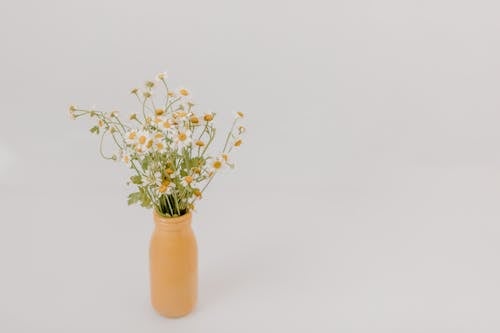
216 165
166 187
161 76
182 138
181 116
154 179
131 137
208 117
143 143
186 181
125 157
197 193
194 120
159 112
183 92
159 143
167 126
158 121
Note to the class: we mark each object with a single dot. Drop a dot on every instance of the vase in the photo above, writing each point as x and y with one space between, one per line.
173 259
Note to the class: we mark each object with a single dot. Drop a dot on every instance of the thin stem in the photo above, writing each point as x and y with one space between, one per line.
229 134
166 87
176 202
212 136
100 146
209 181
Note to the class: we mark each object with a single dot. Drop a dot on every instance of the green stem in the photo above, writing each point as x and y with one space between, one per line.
229 135
212 136
210 180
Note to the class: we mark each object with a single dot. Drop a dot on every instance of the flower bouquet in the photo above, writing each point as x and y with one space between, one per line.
167 145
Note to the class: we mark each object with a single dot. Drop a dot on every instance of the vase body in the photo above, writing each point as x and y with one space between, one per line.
173 258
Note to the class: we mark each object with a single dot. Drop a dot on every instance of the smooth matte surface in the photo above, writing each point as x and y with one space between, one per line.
365 197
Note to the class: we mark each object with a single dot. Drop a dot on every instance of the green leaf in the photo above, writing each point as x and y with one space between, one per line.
137 179
135 197
145 163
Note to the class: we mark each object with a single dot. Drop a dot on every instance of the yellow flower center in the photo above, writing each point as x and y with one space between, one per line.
197 192
182 136
238 143
184 92
149 144
169 171
240 114
200 143
217 164
159 146
208 117
142 139
194 120
132 135
188 179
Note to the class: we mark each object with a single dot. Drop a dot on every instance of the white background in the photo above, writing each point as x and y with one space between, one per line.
365 197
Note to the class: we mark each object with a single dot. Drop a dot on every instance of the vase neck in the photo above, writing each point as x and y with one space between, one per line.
172 223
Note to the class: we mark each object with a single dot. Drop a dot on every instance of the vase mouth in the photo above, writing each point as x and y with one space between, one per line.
168 222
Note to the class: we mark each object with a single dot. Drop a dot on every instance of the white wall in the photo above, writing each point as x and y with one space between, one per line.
366 194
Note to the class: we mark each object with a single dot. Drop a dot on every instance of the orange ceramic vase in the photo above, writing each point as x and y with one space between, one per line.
173 258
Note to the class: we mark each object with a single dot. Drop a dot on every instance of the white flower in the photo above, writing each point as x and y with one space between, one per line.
183 92
175 174
166 187
125 157
131 137
182 138
161 76
154 179
159 143
208 116
168 127
187 181
170 188
181 116
238 115
217 164
158 121
143 143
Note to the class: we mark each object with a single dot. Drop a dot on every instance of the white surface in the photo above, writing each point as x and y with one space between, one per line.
366 195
